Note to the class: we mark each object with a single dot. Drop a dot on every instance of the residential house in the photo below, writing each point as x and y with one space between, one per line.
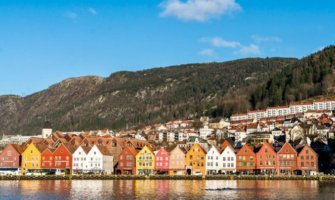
205 131
145 161
196 160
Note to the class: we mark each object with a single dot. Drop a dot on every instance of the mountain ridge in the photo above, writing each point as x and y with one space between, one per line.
128 98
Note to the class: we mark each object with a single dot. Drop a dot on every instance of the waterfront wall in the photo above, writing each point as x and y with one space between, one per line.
208 177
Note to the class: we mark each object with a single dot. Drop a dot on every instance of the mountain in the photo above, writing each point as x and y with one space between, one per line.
128 99
309 77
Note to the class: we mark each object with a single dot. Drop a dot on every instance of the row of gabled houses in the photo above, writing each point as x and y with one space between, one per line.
223 160
129 159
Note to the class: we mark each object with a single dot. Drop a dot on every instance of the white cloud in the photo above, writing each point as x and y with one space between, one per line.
219 42
71 15
207 52
248 50
260 39
198 10
92 11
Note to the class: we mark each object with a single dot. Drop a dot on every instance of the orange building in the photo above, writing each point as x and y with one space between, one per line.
266 159
307 161
246 160
286 159
196 160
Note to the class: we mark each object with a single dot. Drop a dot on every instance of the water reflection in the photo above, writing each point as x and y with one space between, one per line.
165 189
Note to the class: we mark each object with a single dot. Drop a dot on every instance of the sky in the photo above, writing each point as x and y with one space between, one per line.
43 42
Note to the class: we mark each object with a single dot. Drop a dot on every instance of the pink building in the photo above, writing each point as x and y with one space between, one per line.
162 161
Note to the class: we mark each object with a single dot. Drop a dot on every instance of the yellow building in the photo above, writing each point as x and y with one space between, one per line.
145 161
196 160
31 157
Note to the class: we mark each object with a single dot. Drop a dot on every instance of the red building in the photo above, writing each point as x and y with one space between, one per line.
127 161
266 159
48 159
307 161
162 161
10 157
246 160
63 156
286 159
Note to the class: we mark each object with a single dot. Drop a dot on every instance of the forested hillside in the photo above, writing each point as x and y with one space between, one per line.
309 77
129 99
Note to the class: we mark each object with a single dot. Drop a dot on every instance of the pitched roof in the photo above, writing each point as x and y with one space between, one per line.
19 148
40 147
104 150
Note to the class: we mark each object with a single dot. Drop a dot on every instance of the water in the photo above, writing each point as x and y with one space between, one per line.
166 189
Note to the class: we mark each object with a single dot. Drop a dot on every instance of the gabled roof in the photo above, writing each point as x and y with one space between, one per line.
18 148
225 144
40 147
104 150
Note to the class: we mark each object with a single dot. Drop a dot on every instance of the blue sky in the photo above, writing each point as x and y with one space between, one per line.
43 42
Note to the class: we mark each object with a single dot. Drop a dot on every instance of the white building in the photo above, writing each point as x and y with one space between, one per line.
99 160
79 160
228 162
213 158
205 131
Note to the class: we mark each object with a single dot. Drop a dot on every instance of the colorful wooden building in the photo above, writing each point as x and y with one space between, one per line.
286 159
266 159
213 161
246 160
196 160
32 157
127 161
145 161
63 157
48 160
177 161
307 161
10 157
228 156
162 161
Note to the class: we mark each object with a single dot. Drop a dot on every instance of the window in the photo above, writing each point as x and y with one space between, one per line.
302 164
301 157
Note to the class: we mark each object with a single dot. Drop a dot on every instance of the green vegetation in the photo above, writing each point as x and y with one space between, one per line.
309 77
134 99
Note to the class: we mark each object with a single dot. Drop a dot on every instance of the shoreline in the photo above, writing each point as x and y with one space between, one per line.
157 177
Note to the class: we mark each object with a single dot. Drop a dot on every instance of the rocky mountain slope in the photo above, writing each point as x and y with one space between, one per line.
128 99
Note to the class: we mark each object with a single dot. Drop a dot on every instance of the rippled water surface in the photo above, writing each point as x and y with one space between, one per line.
166 189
